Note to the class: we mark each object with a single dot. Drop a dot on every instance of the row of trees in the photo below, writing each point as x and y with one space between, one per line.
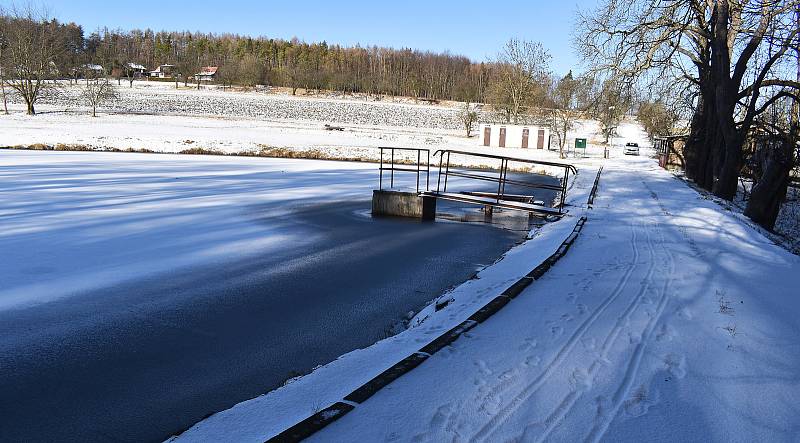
34 49
247 60
734 62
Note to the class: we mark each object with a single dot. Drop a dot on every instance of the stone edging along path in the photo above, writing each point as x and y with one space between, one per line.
319 420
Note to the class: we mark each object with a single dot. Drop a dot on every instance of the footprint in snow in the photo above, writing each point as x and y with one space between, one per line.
532 360
675 365
580 380
641 401
528 344
665 333
437 423
483 368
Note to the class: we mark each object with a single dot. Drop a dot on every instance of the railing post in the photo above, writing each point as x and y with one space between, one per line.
505 179
439 176
446 171
428 176
564 190
380 173
419 153
391 183
500 180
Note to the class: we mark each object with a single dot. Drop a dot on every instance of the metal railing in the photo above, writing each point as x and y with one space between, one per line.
391 168
502 179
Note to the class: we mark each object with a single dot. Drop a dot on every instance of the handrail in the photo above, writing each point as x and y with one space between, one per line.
393 168
502 180
503 157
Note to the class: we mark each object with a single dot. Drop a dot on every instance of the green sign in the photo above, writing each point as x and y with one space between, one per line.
580 143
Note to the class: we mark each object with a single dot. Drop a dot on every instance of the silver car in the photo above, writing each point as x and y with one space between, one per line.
631 149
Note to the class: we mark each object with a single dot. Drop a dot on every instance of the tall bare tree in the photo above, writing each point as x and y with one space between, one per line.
570 100
3 44
32 47
730 52
776 161
522 70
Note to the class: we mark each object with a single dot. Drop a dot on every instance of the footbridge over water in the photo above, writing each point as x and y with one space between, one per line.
511 193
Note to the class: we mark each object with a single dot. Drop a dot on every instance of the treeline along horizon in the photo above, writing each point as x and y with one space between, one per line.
289 63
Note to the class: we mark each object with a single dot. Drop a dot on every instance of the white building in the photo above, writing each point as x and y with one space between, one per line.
136 68
513 136
163 71
93 69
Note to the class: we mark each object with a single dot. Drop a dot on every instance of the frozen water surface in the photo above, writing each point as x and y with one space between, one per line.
140 293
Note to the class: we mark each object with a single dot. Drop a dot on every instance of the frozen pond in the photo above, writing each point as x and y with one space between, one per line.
140 293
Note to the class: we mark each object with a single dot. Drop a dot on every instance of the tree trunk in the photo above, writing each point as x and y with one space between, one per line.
695 146
727 179
704 144
31 110
770 190
5 99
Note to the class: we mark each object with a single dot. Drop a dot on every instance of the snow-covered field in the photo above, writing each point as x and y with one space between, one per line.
162 98
155 116
668 320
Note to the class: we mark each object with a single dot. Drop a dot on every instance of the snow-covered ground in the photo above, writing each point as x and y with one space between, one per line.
162 98
788 222
155 116
669 320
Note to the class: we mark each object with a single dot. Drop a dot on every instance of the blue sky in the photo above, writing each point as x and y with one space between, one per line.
472 28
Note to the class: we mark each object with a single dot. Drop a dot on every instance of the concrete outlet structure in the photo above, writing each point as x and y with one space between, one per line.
403 204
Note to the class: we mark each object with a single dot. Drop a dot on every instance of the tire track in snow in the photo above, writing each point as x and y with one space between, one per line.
604 421
569 401
498 419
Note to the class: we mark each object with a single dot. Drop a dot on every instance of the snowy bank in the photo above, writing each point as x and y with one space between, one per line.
669 319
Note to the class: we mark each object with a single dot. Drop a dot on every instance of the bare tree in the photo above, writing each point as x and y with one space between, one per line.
522 69
32 47
98 91
729 52
569 96
251 71
468 116
657 118
777 161
130 73
2 69
228 73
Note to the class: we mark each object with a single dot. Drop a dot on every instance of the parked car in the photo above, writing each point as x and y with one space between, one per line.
631 149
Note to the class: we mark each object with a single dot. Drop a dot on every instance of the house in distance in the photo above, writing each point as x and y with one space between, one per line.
135 68
206 74
163 71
